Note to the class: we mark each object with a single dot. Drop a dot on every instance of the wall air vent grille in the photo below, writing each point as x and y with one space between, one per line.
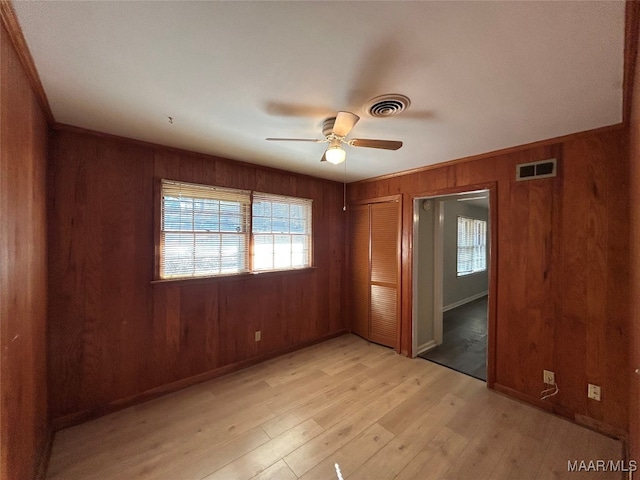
536 170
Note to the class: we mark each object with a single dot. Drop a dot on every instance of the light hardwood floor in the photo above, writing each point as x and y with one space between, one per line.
375 413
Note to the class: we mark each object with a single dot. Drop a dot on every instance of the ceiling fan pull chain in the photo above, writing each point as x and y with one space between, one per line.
344 189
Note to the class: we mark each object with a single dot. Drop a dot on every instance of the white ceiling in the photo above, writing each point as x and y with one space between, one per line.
481 75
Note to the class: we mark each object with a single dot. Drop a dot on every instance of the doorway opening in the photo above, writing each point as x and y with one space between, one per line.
451 264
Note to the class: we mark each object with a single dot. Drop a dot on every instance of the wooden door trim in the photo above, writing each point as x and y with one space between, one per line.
399 275
492 187
454 190
387 199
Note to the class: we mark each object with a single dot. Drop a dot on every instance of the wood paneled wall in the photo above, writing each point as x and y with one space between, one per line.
561 301
634 357
23 292
115 337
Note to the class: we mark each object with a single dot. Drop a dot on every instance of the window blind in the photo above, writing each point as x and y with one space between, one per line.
281 228
204 230
472 245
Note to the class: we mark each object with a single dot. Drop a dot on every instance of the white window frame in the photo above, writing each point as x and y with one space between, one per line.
193 235
194 240
471 249
281 232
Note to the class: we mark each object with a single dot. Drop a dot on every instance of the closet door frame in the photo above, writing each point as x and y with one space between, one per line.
387 199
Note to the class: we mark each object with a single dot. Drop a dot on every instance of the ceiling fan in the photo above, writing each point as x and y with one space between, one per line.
335 129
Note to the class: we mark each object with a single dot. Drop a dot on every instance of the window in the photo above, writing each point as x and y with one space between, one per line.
281 228
472 246
206 231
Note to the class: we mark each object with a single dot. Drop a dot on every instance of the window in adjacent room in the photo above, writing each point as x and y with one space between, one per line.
472 246
204 230
281 228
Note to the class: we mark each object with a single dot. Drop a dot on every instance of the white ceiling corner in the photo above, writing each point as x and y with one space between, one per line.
480 75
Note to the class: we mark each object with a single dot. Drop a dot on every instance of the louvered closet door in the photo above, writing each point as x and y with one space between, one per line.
385 273
359 259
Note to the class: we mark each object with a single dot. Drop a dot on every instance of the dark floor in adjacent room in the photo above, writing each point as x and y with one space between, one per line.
464 346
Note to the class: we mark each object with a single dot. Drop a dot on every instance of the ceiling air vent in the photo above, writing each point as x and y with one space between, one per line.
387 105
535 170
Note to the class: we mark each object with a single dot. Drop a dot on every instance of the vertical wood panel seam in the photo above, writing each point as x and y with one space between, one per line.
632 20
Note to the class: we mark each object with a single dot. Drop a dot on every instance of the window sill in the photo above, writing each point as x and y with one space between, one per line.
471 274
230 276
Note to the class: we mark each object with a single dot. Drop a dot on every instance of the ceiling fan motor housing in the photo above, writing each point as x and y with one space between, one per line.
327 126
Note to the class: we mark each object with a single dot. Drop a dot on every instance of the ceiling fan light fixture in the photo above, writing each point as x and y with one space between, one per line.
335 155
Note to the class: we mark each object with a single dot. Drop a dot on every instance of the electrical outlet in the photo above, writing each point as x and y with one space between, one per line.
594 392
258 336
548 377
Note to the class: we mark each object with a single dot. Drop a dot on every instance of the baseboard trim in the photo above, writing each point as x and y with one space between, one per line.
601 427
45 455
459 303
559 410
534 401
425 346
72 419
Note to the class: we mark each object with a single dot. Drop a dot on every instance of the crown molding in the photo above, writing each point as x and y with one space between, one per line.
11 24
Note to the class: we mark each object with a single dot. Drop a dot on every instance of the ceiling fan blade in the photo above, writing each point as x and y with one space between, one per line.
324 157
295 140
345 121
384 144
